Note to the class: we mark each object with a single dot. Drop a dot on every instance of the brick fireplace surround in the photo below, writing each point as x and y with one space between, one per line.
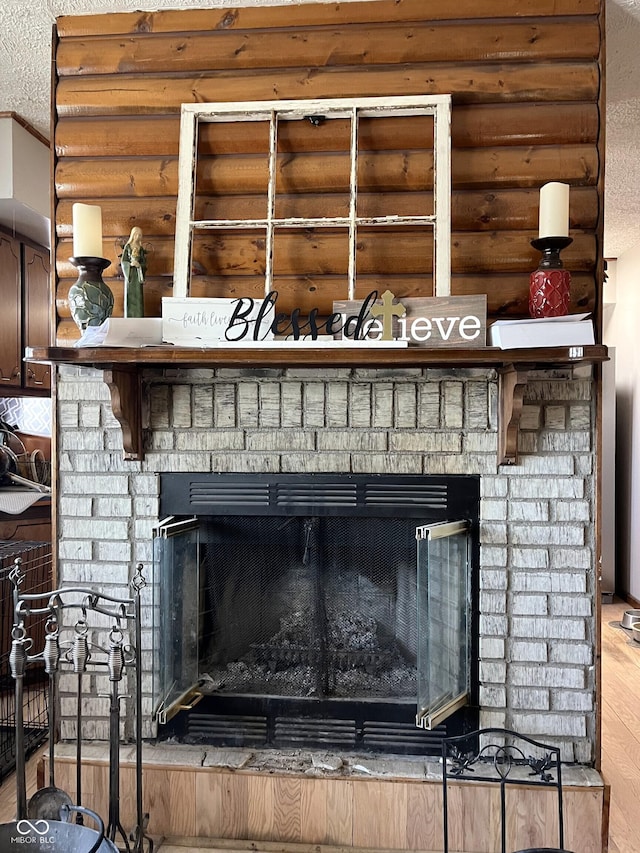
538 586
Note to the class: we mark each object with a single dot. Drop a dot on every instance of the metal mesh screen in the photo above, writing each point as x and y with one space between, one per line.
309 606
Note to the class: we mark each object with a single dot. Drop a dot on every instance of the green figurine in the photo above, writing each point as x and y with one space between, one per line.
134 268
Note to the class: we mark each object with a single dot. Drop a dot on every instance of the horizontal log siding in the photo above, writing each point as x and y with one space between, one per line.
525 80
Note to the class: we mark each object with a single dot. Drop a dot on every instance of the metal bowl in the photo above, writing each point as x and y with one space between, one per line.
630 618
635 632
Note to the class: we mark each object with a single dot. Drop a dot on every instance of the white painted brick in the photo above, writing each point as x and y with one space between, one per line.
90 415
143 529
493 697
280 439
480 442
291 404
91 390
542 466
530 581
494 487
493 534
96 463
119 507
467 464
528 651
561 442
535 675
541 534
492 647
181 406
574 653
572 511
94 528
337 401
571 558
425 442
493 626
146 505
568 700
76 506
106 484
493 602
493 719
313 404
493 672
493 556
584 465
529 558
429 403
388 463
529 511
405 406
571 391
382 405
245 462
203 440
529 605
357 441
530 699
493 510
492 579
530 418
548 629
247 402
549 487
202 402
452 404
163 440
308 462
579 417
224 405
145 484
562 605
114 552
68 416
360 406
269 408
82 440
476 405
568 582
555 417
540 725
75 549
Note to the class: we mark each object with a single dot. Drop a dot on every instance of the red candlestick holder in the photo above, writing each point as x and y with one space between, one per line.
550 284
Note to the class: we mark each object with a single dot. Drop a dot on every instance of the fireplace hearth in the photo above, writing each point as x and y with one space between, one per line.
288 608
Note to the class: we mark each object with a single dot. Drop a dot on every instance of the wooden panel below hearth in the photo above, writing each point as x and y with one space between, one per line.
195 802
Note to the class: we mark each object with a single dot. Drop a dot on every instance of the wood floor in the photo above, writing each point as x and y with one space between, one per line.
620 738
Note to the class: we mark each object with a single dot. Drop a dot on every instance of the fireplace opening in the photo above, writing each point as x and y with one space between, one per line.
288 609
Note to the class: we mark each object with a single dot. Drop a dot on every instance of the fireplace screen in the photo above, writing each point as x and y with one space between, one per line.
316 603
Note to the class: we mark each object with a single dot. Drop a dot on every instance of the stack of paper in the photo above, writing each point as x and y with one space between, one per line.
568 331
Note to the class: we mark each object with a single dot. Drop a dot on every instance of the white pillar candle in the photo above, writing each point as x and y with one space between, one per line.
87 231
554 210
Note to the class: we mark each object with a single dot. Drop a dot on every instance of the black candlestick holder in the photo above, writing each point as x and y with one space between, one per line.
550 284
90 299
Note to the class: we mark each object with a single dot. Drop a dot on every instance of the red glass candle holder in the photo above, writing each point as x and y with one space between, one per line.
550 284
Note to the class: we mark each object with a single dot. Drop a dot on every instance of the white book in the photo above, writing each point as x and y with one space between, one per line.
570 330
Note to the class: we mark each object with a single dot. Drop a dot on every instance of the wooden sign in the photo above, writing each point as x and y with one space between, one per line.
444 321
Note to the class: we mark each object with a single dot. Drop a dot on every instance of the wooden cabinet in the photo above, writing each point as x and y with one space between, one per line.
24 307
11 307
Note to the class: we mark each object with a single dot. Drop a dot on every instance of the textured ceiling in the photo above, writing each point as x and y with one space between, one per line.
25 61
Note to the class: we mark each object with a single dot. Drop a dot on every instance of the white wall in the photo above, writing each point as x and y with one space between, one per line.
622 331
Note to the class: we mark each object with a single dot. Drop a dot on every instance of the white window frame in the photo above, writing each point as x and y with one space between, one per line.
439 106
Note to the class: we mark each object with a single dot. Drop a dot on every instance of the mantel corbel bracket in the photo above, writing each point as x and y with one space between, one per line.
512 379
126 401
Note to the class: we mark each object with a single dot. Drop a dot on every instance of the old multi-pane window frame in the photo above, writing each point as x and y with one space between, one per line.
353 110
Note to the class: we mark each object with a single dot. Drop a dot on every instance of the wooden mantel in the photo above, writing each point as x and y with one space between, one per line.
122 368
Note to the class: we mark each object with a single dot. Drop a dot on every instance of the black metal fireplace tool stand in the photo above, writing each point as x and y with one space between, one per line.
73 645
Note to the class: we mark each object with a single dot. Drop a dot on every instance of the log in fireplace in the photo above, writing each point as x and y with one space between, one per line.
316 610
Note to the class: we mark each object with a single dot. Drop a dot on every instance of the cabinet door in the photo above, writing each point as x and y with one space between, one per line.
36 313
10 313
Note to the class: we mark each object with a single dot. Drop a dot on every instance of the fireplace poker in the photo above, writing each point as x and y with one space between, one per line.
17 664
80 655
115 666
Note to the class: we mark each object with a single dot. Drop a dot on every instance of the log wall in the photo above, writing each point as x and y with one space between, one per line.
526 83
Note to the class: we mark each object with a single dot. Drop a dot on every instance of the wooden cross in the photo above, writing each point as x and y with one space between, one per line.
387 311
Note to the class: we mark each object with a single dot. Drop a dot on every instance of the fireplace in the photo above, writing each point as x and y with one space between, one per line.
316 610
